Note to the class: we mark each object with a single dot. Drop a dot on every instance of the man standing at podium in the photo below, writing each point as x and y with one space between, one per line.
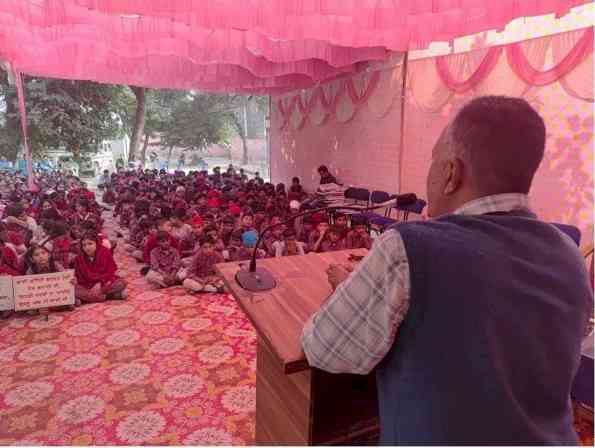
473 320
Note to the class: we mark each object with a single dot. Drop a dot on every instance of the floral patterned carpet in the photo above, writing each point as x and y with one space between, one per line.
161 368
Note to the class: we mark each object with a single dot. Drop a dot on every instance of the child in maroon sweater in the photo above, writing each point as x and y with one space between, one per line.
358 238
333 240
202 275
166 265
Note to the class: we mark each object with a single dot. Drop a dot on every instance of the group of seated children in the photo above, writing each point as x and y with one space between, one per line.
55 229
180 226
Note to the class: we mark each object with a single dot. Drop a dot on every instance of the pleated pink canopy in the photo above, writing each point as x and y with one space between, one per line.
261 46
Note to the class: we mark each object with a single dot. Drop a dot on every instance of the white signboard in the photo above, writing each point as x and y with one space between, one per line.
43 290
6 294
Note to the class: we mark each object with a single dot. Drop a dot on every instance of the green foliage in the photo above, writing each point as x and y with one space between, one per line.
196 121
78 115
72 115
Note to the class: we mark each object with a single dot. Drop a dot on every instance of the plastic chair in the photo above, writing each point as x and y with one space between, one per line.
417 207
378 197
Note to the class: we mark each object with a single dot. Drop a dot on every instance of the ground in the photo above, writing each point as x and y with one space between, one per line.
161 368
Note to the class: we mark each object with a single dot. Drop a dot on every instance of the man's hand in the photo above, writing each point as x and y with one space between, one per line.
336 274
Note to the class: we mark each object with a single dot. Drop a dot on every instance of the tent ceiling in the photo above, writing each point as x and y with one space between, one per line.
268 46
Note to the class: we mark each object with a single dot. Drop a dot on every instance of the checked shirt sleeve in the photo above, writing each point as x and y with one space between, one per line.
356 327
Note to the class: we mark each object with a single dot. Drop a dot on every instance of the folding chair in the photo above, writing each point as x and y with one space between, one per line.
374 218
417 207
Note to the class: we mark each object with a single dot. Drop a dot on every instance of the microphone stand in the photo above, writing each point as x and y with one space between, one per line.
257 279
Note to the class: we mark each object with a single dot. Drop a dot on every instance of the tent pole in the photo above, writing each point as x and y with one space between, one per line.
23 113
402 136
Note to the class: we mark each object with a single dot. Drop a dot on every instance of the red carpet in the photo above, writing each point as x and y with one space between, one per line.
161 368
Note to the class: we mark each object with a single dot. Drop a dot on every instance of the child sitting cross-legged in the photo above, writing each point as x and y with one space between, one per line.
95 271
163 225
202 276
166 266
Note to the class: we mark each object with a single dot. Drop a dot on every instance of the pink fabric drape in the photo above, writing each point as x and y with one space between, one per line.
482 72
520 65
287 106
523 69
250 46
23 114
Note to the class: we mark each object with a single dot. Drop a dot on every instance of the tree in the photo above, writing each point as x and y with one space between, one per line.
139 121
197 121
71 115
240 121
248 111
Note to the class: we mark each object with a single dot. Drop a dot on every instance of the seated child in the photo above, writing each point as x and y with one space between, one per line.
182 231
317 237
95 271
9 266
126 213
303 228
247 222
18 221
249 240
358 237
333 240
231 253
61 243
227 227
202 275
274 243
42 236
341 224
166 266
109 197
39 260
138 235
290 245
163 225
9 262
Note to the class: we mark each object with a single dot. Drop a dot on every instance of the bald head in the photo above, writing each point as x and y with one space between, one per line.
502 141
494 145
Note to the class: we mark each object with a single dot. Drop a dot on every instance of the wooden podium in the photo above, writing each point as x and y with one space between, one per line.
295 404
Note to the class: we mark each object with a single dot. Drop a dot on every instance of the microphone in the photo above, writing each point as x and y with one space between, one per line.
257 279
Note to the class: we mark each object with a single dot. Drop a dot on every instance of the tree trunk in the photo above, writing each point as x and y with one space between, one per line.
244 134
143 153
12 128
169 153
139 122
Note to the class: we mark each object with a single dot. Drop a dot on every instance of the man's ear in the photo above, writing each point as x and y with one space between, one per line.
454 173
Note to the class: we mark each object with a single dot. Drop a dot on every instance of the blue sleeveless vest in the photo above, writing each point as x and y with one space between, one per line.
491 343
